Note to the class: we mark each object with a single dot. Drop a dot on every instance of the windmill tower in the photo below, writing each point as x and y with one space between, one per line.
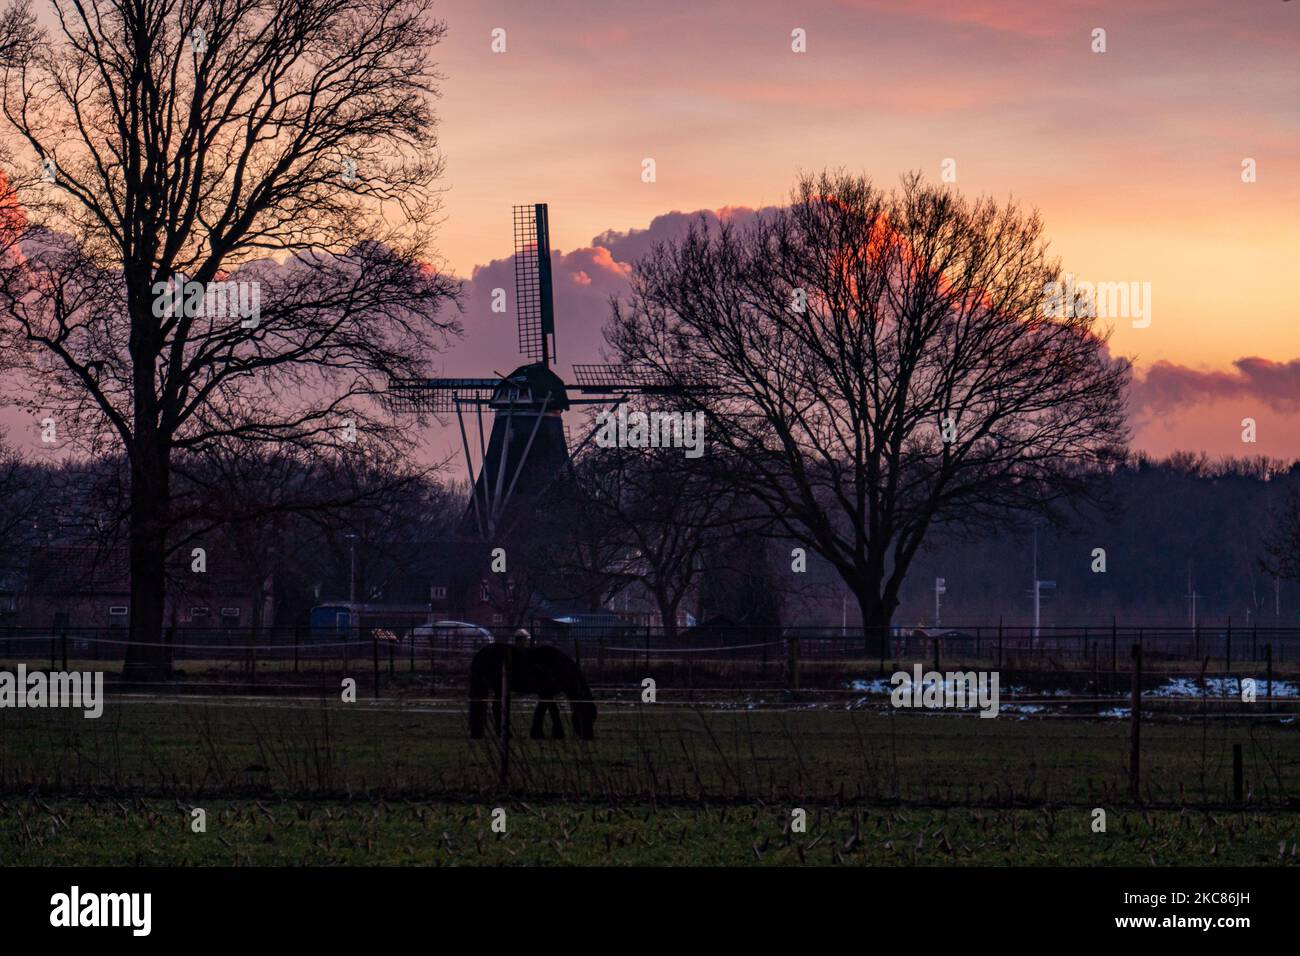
527 447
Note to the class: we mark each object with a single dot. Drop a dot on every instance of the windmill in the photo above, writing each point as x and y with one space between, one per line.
527 448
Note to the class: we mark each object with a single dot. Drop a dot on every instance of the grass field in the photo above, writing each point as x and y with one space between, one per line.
38 832
293 781
285 747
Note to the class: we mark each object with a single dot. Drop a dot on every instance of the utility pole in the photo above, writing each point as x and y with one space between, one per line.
939 588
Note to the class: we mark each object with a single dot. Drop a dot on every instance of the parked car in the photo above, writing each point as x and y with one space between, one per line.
460 635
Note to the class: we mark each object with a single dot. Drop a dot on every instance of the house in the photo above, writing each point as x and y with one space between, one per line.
85 586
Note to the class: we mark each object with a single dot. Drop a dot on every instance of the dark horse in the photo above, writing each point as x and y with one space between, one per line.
543 671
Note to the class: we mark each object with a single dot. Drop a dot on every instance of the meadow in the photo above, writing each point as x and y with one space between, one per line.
288 780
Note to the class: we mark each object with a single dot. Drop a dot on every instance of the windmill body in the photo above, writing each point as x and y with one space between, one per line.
526 450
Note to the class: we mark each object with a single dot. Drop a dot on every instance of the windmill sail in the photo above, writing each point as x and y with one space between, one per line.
533 294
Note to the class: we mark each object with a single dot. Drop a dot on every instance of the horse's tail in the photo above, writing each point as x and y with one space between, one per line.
583 704
480 685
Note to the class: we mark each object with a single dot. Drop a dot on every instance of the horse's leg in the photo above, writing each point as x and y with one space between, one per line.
538 731
557 723
496 713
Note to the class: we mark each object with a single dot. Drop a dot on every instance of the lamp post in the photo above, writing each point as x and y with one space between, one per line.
352 574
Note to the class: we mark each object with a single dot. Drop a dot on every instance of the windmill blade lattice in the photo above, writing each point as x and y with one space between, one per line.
533 289
440 396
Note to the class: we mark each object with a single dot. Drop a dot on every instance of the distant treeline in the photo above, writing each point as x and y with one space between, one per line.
1168 522
1183 518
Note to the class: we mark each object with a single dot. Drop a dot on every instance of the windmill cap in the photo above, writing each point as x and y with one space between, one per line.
530 385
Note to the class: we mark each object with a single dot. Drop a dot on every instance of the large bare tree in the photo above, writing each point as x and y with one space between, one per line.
886 365
277 155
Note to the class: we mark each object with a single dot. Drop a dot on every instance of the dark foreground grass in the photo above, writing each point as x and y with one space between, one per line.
80 832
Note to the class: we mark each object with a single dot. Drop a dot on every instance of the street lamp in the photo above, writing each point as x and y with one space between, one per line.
352 575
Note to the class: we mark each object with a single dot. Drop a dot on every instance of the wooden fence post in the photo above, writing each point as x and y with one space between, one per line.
1227 654
1096 677
1135 748
506 664
64 639
1238 789
1268 674
374 652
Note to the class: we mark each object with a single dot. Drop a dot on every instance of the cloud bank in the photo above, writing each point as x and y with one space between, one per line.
1167 387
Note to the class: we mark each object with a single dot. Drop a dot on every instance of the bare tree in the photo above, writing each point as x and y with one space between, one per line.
261 503
656 514
1282 542
886 365
20 488
280 151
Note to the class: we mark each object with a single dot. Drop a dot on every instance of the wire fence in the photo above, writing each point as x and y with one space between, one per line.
737 712
726 660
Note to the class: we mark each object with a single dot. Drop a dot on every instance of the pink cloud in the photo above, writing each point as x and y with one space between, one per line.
1166 385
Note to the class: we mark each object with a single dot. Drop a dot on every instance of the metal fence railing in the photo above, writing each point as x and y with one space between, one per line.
289 658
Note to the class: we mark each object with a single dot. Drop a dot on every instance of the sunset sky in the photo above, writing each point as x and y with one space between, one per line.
1134 157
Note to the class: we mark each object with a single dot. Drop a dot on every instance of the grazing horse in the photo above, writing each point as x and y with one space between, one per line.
541 670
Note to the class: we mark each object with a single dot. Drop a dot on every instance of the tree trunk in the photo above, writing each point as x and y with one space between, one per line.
668 613
146 658
877 615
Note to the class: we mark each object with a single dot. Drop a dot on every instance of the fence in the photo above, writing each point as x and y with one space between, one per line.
726 658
